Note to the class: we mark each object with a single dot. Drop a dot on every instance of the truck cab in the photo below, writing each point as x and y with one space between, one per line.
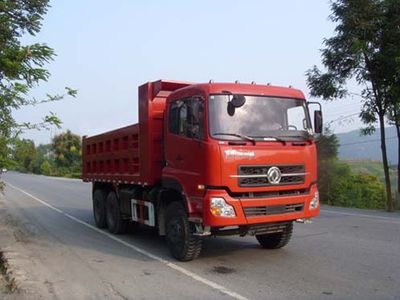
243 163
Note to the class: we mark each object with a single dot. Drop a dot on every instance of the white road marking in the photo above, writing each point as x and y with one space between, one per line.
169 264
378 218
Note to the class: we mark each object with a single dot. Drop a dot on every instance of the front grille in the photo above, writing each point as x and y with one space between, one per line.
249 176
273 210
270 194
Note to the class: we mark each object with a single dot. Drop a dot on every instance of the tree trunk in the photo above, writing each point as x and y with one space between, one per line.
397 124
389 202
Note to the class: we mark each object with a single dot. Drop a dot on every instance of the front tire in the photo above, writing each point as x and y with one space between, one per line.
99 209
115 223
181 242
276 240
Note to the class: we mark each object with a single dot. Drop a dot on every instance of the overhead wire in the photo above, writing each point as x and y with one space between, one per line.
343 117
368 141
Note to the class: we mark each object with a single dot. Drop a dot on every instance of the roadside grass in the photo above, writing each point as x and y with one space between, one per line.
7 282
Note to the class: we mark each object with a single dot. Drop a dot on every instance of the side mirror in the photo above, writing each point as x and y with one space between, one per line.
318 121
236 102
318 125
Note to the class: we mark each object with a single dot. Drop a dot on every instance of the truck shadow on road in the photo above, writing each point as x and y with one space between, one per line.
149 239
45 228
139 236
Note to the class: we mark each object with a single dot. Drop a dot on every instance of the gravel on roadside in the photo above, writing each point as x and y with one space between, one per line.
10 286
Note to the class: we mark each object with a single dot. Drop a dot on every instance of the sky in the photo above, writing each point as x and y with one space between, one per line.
106 49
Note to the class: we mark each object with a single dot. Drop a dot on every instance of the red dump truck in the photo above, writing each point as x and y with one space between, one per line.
206 160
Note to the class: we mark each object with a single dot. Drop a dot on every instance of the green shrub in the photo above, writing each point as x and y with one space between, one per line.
339 186
46 168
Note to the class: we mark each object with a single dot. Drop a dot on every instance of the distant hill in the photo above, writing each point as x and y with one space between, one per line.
354 146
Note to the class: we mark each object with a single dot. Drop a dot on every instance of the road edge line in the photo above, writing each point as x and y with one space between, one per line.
169 264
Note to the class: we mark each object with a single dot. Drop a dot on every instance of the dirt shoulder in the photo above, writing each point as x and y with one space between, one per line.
8 285
14 237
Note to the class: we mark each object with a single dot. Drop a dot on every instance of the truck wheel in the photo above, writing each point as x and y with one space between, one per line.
99 209
182 244
115 223
276 240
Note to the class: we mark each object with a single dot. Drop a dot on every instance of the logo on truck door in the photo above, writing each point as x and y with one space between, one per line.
274 175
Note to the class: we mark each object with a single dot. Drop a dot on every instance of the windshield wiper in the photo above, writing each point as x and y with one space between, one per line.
242 136
270 137
304 138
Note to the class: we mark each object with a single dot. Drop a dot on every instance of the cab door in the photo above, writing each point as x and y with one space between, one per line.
184 143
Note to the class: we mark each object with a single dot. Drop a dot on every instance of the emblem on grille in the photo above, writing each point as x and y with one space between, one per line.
274 175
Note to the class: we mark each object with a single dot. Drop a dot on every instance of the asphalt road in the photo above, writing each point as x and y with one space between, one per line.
343 254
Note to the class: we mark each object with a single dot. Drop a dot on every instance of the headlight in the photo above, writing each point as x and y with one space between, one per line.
222 209
314 201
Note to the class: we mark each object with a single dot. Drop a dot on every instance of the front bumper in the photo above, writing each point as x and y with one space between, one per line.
250 211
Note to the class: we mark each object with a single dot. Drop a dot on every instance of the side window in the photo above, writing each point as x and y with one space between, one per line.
196 118
173 119
296 119
183 119
186 118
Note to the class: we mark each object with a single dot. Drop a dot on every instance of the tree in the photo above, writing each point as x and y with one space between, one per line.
24 154
357 51
46 168
392 52
327 145
43 154
22 68
67 150
327 149
394 118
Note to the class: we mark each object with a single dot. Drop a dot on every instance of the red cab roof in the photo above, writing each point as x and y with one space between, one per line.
246 89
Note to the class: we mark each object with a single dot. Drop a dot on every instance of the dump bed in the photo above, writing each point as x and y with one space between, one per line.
132 154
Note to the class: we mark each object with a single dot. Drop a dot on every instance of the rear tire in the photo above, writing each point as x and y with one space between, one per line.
276 240
99 209
115 222
181 242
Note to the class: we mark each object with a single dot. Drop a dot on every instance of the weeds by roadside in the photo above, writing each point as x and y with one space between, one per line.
7 282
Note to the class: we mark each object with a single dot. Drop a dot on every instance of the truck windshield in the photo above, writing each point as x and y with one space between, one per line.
260 118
